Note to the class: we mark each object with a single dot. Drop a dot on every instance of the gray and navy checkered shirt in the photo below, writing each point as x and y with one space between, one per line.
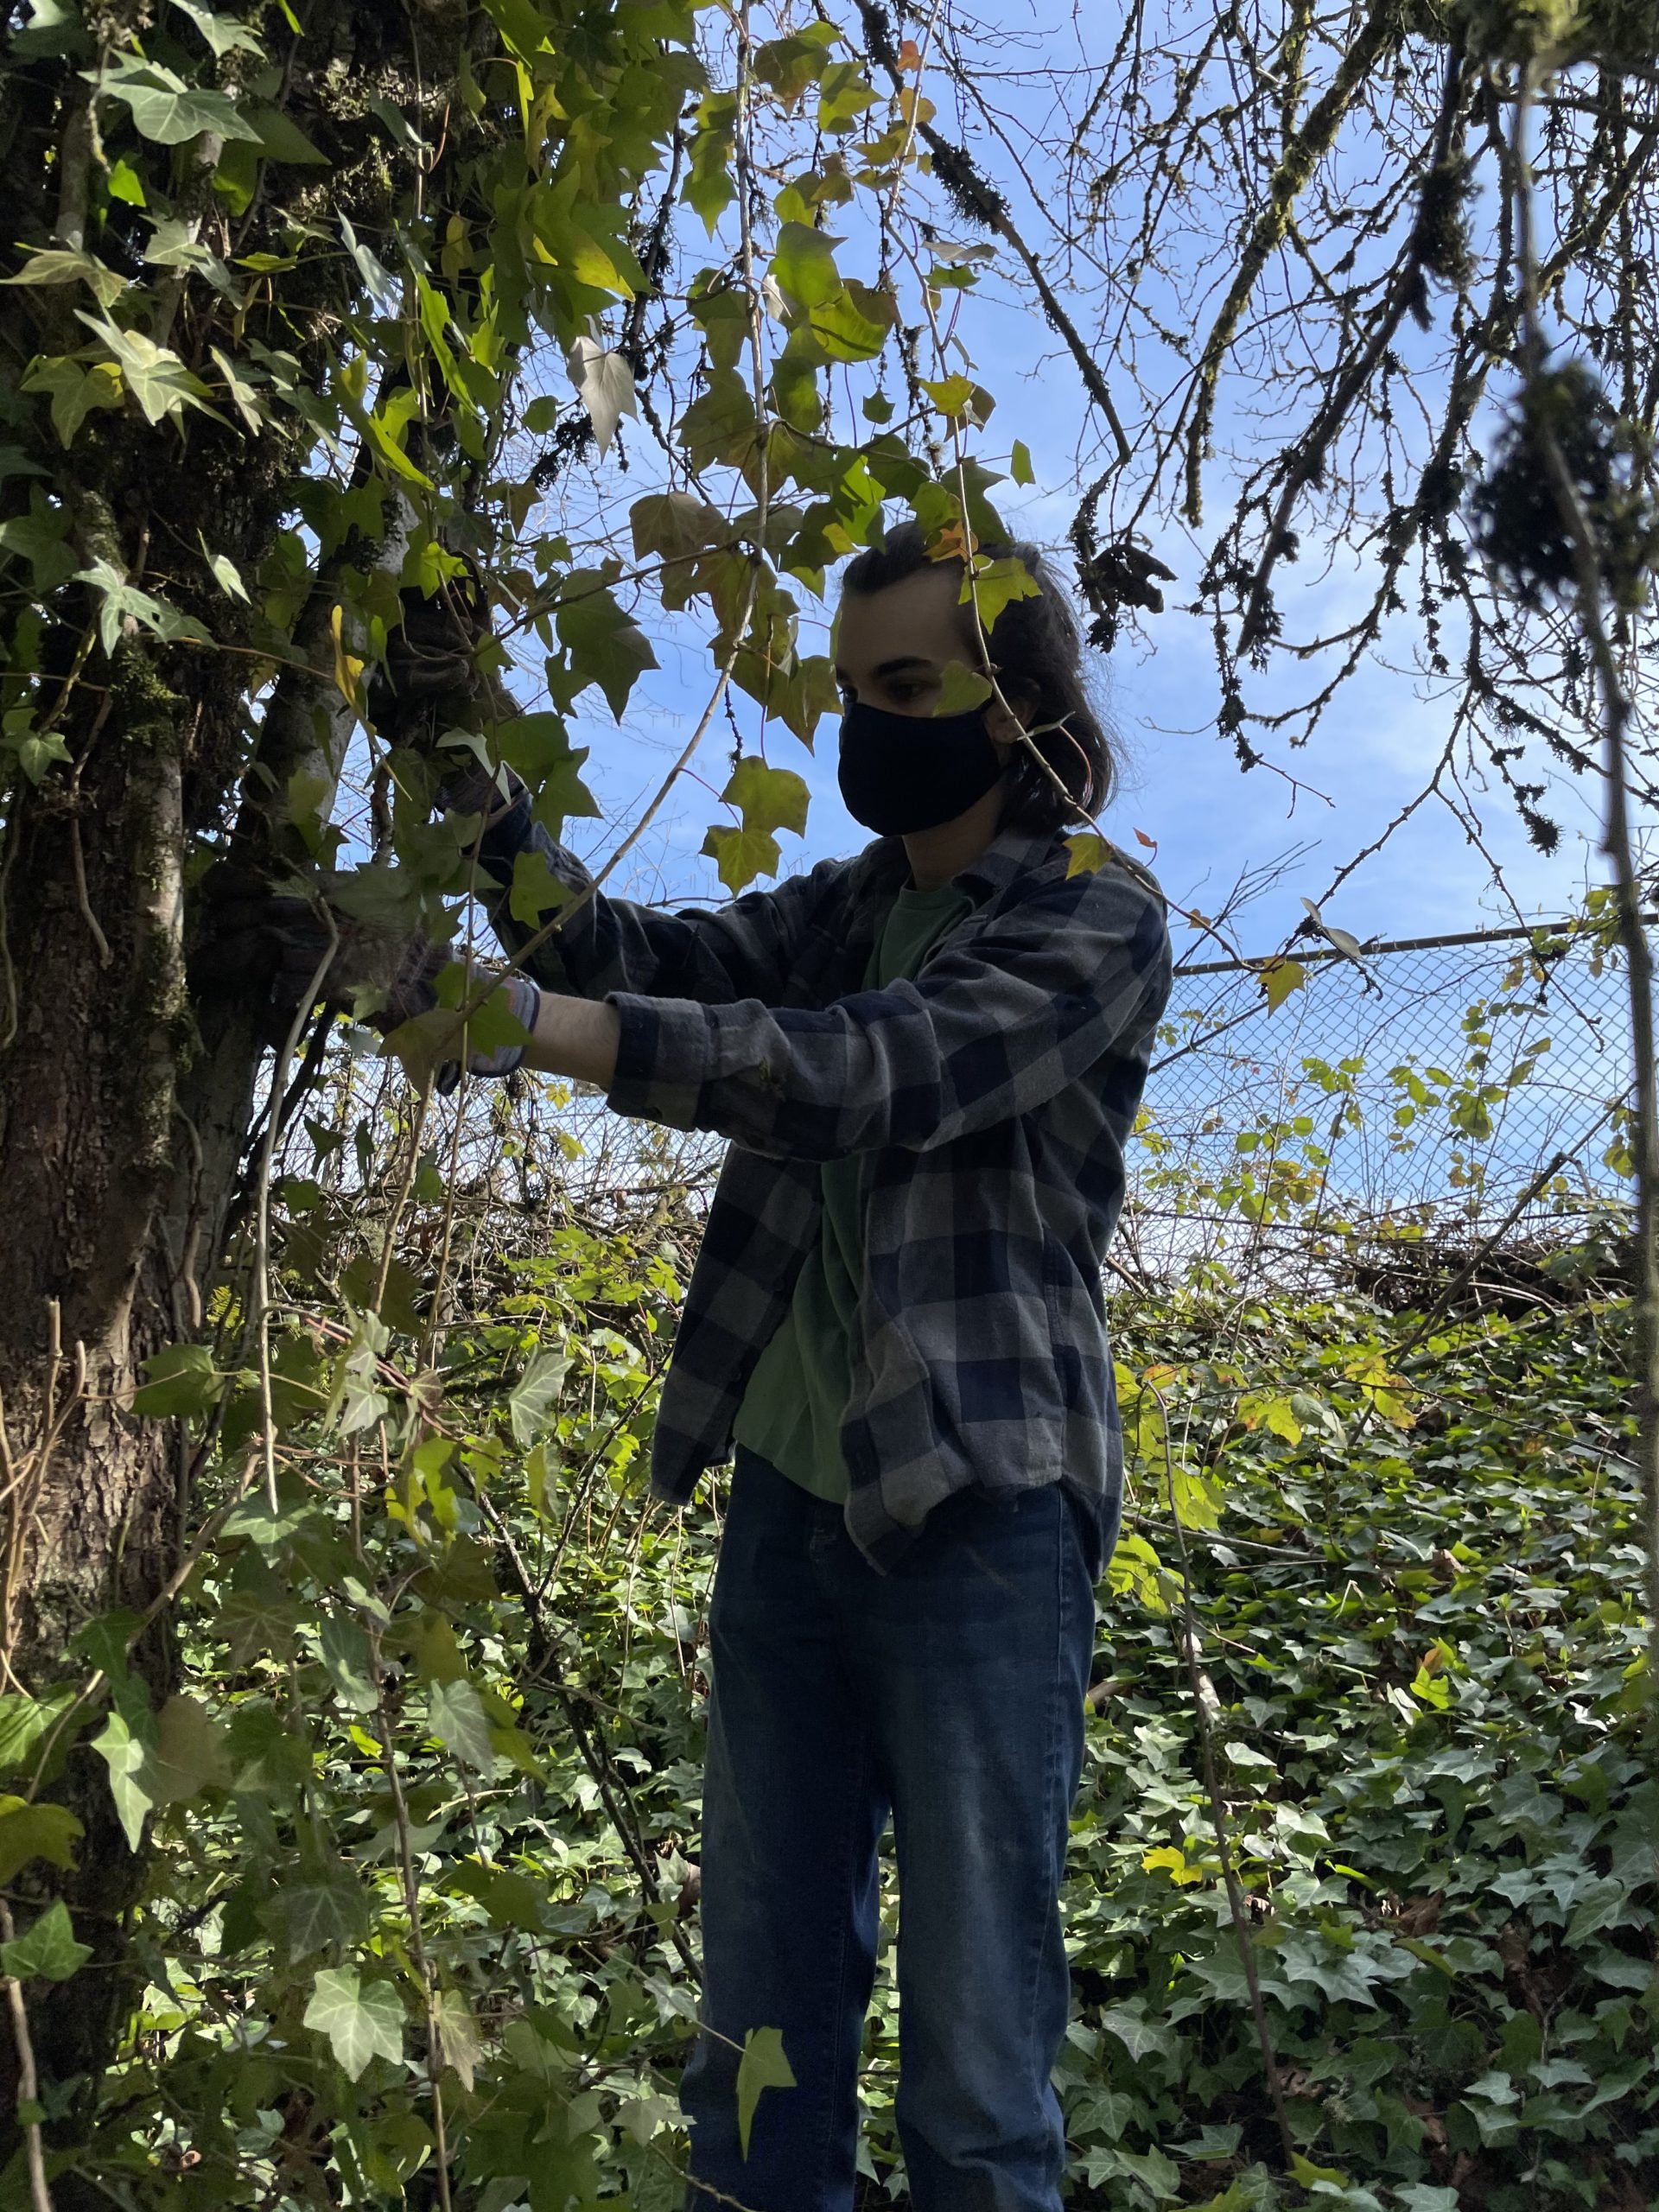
988 1101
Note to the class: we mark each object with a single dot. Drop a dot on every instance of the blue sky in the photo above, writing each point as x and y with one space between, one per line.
1182 787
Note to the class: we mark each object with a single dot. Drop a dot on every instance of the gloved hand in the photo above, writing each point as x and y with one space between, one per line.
431 683
276 946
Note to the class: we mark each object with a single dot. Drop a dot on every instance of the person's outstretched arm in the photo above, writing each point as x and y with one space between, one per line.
435 679
597 944
995 1025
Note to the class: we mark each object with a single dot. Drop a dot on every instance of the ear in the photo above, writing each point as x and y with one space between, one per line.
1004 728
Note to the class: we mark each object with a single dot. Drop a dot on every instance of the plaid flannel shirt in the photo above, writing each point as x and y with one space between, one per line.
988 1101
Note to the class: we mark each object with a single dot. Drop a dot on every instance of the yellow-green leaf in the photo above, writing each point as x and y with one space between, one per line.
1169 1858
991 584
75 391
763 2066
741 855
361 2020
35 1830
767 797
1279 978
58 265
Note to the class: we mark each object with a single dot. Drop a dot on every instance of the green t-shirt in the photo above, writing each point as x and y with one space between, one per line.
792 1411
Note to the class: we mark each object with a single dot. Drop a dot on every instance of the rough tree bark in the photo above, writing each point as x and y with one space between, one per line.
125 1107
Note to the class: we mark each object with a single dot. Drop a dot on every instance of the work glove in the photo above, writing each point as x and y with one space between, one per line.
430 684
430 681
274 947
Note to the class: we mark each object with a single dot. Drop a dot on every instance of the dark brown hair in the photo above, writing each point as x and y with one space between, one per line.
1037 648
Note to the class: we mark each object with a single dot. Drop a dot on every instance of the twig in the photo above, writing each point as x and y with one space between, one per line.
28 2085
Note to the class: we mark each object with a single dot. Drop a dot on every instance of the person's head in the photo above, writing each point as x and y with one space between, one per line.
901 623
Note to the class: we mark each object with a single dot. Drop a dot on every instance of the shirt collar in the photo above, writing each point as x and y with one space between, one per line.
883 867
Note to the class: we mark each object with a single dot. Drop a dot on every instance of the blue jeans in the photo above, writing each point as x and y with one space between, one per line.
950 1691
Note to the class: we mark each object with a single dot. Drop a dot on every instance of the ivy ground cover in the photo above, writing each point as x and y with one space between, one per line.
420 1925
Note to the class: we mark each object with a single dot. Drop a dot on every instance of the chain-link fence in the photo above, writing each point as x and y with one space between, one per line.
1432 1087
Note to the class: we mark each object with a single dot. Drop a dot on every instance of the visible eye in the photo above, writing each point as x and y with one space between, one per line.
906 693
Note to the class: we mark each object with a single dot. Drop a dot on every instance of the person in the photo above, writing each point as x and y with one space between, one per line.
927 1060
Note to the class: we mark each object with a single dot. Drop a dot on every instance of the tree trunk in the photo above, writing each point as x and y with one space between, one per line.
86 1098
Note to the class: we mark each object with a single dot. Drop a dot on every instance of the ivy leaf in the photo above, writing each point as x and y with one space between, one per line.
534 1395
456 1717
854 325
281 139
123 602
29 1831
606 646
75 391
790 64
1302 2170
1153 2169
128 1753
566 240
1136 1571
1248 1760
1139 2036
37 755
961 690
58 265
707 189
803 262
675 525
604 384
843 95
167 109
396 123
537 892
456 2032
154 374
1087 853
1171 1859
767 797
316 1913
41 537
763 2066
361 2020
191 1752
24 1720
739 855
227 575
242 396
1020 464
1279 978
720 425
991 585
1198 1499
381 288
524 30
124 182
346 1655
178 1379
223 33
46 1950
950 394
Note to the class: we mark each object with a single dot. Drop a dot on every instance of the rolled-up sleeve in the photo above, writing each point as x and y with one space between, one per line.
1003 1017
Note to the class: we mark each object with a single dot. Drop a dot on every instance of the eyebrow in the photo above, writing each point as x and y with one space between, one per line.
892 667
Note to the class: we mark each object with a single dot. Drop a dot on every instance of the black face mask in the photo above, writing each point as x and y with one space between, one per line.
900 773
